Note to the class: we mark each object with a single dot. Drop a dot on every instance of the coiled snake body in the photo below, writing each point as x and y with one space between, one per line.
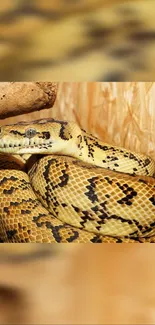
79 189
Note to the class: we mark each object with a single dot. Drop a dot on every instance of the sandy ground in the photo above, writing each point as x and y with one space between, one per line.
83 284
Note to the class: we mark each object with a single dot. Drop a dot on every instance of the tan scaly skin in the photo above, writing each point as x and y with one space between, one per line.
80 189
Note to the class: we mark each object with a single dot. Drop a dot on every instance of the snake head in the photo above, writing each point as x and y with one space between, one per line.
40 136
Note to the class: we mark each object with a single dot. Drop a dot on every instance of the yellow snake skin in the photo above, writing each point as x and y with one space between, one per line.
79 189
77 40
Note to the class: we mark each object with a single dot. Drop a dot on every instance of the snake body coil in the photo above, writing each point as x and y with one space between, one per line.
84 190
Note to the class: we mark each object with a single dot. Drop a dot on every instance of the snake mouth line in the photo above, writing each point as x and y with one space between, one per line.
9 146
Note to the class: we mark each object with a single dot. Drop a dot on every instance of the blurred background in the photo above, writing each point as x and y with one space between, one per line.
104 40
121 113
77 284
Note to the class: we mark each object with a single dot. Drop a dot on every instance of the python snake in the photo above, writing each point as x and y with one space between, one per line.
76 189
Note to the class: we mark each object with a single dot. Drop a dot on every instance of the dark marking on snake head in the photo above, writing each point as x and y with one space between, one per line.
64 132
15 132
46 135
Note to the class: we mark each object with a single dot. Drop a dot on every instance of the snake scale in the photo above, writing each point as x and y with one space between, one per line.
76 189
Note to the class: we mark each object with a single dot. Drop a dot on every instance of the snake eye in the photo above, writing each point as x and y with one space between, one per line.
30 133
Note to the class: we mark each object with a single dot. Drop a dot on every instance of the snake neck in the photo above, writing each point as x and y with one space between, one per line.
91 150
88 148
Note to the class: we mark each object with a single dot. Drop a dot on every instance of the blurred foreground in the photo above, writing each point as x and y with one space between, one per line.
77 284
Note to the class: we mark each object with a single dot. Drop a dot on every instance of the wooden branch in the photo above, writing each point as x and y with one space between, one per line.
17 98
